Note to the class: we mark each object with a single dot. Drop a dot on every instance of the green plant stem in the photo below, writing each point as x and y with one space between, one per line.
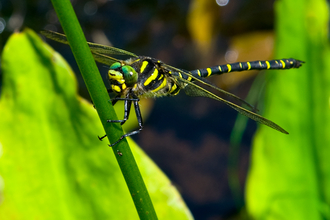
104 108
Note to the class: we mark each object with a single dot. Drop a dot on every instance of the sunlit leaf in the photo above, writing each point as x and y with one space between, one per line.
53 165
290 174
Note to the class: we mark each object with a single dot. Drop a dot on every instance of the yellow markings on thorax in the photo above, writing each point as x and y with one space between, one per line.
144 65
209 71
160 86
177 92
219 67
283 63
151 78
268 64
199 73
135 61
173 88
189 78
229 67
249 65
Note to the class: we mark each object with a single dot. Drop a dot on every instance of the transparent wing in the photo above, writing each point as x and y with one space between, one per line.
101 58
107 50
205 82
95 48
192 89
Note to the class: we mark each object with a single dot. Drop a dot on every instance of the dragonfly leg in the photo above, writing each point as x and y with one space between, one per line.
140 122
127 110
101 138
129 99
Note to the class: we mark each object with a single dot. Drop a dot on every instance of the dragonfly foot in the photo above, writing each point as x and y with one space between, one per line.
101 138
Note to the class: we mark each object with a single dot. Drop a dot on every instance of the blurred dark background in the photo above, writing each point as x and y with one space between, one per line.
188 137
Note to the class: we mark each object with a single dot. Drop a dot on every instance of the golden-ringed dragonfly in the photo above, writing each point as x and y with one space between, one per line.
144 77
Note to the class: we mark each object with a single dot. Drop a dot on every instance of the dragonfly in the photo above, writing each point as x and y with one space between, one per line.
145 77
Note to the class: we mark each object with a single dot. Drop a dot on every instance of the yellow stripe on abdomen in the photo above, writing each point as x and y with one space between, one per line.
229 67
249 65
209 71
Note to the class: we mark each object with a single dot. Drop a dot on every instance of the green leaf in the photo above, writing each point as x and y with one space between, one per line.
290 174
1 180
53 165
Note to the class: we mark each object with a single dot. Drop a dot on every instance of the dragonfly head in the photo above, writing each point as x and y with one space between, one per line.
123 74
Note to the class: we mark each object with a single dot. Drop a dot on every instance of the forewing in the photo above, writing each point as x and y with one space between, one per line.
101 58
107 50
55 36
97 48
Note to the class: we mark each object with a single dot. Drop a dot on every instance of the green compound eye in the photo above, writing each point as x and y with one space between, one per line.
130 75
115 66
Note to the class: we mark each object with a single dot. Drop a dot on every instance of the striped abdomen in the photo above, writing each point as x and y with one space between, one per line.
243 66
